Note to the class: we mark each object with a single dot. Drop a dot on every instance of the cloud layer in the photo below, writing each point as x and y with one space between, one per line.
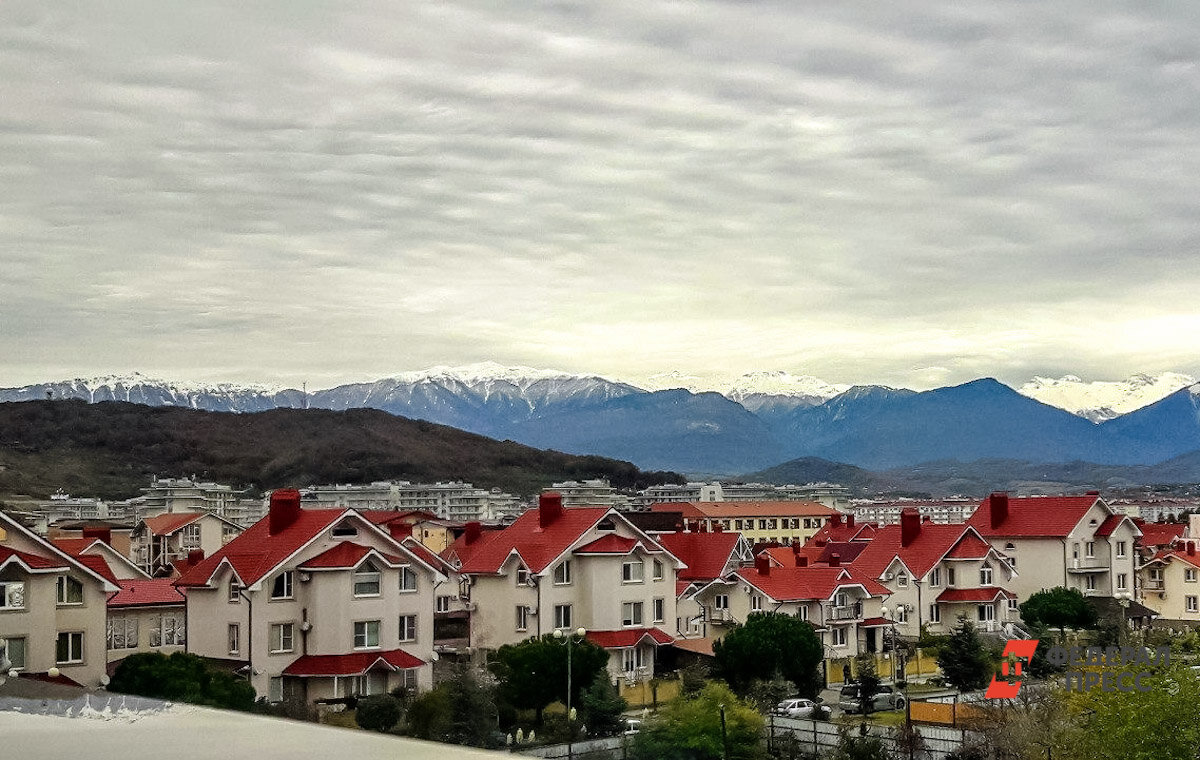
900 192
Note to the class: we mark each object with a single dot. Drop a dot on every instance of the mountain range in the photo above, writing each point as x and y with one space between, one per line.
753 422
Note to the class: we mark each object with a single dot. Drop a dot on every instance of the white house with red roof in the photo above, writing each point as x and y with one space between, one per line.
562 569
52 608
1078 542
161 541
707 556
1169 583
317 603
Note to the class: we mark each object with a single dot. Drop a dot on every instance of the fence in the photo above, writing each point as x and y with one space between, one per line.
819 736
611 748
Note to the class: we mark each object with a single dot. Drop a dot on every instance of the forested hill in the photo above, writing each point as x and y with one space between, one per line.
112 449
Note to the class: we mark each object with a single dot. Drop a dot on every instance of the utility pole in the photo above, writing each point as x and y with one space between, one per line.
724 735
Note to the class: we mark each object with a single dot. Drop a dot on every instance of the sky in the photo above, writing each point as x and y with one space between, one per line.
906 193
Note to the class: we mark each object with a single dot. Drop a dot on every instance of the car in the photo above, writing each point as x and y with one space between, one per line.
886 698
795 708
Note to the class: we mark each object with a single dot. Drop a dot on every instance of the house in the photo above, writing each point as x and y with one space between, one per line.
1078 542
95 552
52 608
115 533
782 522
160 541
316 604
146 615
1169 584
707 556
562 569
427 528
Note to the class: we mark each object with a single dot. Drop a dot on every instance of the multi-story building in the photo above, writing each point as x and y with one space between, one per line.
562 569
117 535
63 506
593 493
317 604
1169 584
939 511
1078 542
831 495
453 500
52 608
708 557
163 540
187 495
782 522
1155 509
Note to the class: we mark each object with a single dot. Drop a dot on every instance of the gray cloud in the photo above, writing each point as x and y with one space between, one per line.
906 192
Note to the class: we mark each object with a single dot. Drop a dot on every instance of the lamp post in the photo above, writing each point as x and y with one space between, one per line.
570 639
898 663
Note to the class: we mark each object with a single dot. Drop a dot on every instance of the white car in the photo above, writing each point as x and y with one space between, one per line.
795 708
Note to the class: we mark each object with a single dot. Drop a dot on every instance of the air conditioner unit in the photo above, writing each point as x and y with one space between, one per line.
531 611
305 577
889 576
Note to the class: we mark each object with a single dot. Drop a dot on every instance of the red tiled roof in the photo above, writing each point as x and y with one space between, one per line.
730 509
628 637
682 586
847 551
983 594
610 544
166 524
875 622
1160 534
344 554
424 554
73 546
843 531
461 549
32 561
353 664
1034 516
1179 554
705 554
99 566
793 584
145 593
1110 524
970 546
537 546
932 543
256 552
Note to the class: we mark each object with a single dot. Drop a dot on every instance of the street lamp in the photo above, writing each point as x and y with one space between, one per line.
570 639
898 661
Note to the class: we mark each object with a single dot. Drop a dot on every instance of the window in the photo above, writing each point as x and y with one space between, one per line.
660 610
235 638
522 617
367 579
1120 548
408 580
756 602
802 612
14 650
632 659
122 632
524 578
562 574
986 612
935 577
275 689
658 570
1189 575
1122 581
721 601
12 595
70 590
366 634
281 638
1012 603
1090 585
901 613
1012 561
1089 549
228 533
631 613
1191 602
902 580
837 636
282 587
167 630
633 572
935 613
762 524
562 616
443 603
69 649
949 576
345 531
737 524
408 628
839 599
985 575
190 537
1156 574
235 592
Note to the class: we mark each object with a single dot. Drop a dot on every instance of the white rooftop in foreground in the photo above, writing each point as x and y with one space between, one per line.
194 733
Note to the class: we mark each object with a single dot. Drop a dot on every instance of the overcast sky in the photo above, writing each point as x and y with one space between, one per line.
908 193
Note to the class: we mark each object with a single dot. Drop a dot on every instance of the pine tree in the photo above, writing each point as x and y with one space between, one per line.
964 660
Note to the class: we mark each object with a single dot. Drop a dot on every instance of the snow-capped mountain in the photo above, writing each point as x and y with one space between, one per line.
137 388
1100 400
774 390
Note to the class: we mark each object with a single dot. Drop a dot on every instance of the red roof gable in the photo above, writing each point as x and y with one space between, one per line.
424 554
345 554
841 531
1111 522
970 546
793 584
463 550
256 552
983 594
353 664
537 546
610 544
171 522
73 546
628 637
145 593
932 543
32 561
705 554
1160 534
99 566
1034 516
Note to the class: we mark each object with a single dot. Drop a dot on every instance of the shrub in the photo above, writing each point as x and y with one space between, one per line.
380 712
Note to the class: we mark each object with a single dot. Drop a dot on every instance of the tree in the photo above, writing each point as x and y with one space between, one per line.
689 728
861 747
601 708
768 644
766 694
428 715
1059 607
379 712
868 681
181 677
965 663
533 673
470 695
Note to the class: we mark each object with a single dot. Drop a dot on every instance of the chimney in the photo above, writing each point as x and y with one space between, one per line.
796 548
801 560
998 502
1092 493
1191 548
400 531
849 521
836 520
283 511
102 533
926 519
910 525
762 564
473 533
835 560
195 557
550 508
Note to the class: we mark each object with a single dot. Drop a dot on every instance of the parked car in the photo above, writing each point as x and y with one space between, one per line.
795 708
887 698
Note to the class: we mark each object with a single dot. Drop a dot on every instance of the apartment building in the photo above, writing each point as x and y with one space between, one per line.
831 495
946 511
158 542
596 492
708 557
186 495
451 500
1078 542
781 522
317 604
562 569
1169 584
52 608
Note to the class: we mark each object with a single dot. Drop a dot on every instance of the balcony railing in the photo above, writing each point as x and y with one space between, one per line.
1086 564
1154 585
721 616
844 612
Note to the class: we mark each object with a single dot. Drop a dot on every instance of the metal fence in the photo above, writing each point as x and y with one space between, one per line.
818 736
610 748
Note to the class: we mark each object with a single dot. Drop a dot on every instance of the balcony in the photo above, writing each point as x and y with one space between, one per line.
844 612
721 617
1154 585
1087 565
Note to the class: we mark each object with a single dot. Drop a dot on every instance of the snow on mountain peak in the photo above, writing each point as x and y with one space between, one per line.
1100 400
780 383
